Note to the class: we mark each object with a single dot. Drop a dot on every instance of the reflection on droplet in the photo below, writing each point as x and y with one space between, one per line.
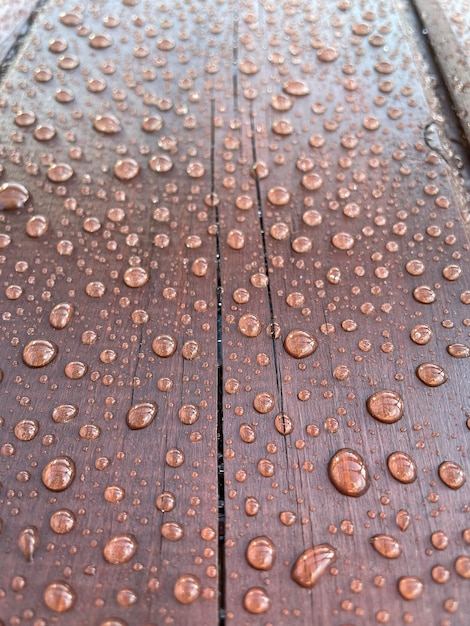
108 124
424 294
26 429
120 549
452 474
431 374
402 467
261 553
458 350
187 589
141 415
256 601
13 196
410 587
300 344
250 325
386 406
64 413
348 473
59 473
126 169
59 596
386 545
312 564
263 402
28 542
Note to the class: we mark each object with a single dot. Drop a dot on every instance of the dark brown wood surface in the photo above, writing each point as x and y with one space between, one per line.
201 475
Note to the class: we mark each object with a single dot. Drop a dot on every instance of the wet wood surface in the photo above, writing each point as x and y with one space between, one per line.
234 320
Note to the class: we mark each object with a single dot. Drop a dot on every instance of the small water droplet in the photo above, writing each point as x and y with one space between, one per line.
348 473
312 564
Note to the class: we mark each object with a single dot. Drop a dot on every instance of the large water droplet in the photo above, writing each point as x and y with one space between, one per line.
386 545
62 521
348 473
187 589
13 196
386 406
250 325
59 473
164 346
312 564
300 344
431 374
61 315
59 596
141 415
402 467
108 124
410 587
261 553
256 601
120 549
39 352
452 474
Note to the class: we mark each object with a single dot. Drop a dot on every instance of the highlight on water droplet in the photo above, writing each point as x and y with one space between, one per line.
312 564
386 406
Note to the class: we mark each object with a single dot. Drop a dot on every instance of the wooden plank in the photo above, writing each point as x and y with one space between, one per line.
360 133
13 18
135 256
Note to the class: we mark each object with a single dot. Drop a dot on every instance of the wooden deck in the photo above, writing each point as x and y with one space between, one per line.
235 324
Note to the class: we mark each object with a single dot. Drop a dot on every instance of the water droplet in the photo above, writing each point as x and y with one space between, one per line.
312 181
439 540
279 196
250 325
59 596
348 473
403 520
281 103
141 415
327 54
164 346
263 402
75 370
28 542
59 473
462 566
424 294
452 474
431 374
247 433
284 424
452 272
107 124
166 501
136 277
386 406
386 545
187 589
64 413
296 87
126 169
261 553
62 521
60 172
343 241
61 315
188 414
172 531
13 196
191 350
410 587
256 601
120 549
458 350
300 344
402 467
160 163
421 334
252 506
174 457
312 564
440 574
235 239
39 352
26 429
36 226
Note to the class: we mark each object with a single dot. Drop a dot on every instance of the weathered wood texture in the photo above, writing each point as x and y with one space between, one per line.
13 15
244 213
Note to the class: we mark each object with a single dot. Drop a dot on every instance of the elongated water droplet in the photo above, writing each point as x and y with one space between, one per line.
312 564
348 473
39 352
386 545
431 374
28 542
403 520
